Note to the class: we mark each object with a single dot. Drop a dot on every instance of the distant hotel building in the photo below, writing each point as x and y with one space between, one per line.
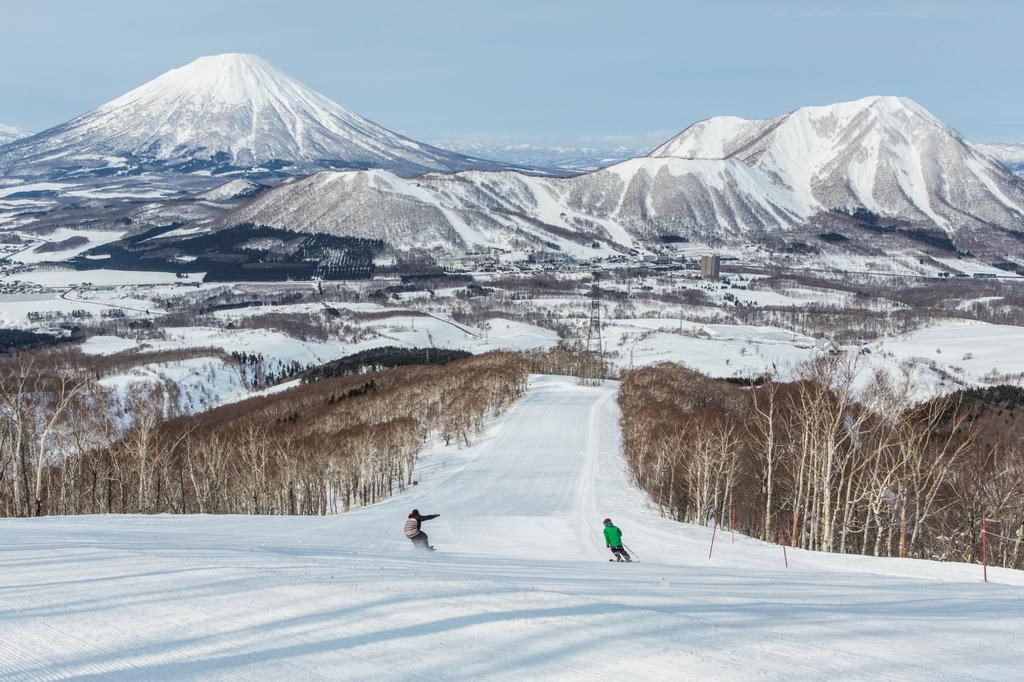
710 267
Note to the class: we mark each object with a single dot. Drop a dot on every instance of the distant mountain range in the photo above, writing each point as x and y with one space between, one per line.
553 156
839 176
1010 154
10 134
854 170
223 113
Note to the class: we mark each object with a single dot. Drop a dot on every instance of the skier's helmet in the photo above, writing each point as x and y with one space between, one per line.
415 512
607 521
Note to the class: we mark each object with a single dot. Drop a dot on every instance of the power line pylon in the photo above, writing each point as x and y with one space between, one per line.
594 343
592 369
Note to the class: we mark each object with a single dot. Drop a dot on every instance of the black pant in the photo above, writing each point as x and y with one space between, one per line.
620 553
421 540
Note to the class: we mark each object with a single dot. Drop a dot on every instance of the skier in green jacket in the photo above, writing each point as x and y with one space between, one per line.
613 539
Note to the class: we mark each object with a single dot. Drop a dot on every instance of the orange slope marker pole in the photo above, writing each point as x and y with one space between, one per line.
984 549
782 541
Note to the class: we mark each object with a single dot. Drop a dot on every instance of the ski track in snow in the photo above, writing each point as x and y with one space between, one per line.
520 587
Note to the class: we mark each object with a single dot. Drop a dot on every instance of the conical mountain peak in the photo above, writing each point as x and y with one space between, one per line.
225 111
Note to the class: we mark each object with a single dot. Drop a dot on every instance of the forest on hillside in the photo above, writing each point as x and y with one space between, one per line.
68 445
826 463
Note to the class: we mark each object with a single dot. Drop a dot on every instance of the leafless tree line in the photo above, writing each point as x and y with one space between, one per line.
70 446
844 324
918 303
835 462
39 393
572 360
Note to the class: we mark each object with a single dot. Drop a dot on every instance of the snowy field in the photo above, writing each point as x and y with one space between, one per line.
58 278
720 350
95 238
519 589
974 352
207 382
945 355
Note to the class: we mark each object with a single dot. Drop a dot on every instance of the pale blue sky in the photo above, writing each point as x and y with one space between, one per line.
533 70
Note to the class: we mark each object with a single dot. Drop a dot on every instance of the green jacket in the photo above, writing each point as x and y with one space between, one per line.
613 536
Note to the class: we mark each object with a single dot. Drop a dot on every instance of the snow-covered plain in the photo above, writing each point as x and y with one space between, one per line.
721 350
60 278
95 237
403 330
519 589
209 381
14 310
946 355
107 345
974 352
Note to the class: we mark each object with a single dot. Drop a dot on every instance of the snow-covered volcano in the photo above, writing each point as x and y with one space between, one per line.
10 134
885 155
225 111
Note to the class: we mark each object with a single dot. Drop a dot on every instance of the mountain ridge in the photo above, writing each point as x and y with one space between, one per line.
11 133
615 207
880 161
884 154
1010 154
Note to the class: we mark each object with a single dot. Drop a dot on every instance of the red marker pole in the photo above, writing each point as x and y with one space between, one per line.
782 541
714 531
984 549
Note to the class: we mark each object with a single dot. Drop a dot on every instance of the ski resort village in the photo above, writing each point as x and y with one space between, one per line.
286 394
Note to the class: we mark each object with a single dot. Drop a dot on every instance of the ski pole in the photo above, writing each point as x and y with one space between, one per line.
631 552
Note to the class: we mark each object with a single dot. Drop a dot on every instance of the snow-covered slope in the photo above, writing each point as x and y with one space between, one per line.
225 111
639 198
887 155
519 588
233 189
10 134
